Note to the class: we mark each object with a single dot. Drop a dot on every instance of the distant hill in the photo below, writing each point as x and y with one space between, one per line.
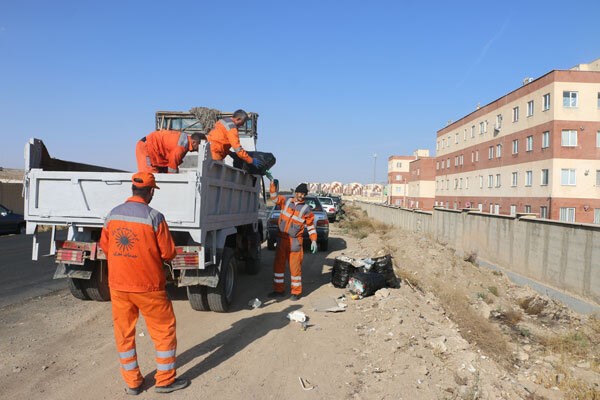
9 174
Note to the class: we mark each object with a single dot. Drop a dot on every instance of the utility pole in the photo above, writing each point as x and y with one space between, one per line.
374 167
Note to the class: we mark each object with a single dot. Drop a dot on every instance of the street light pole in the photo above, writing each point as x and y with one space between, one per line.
374 167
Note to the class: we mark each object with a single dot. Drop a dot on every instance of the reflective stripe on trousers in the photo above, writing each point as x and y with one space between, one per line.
284 255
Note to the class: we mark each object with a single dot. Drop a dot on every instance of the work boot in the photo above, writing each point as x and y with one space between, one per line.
276 294
177 384
134 391
295 297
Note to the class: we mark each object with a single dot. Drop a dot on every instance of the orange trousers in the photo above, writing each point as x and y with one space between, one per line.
157 310
284 255
143 160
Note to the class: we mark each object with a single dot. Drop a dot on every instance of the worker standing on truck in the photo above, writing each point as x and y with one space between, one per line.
136 241
163 151
225 136
294 216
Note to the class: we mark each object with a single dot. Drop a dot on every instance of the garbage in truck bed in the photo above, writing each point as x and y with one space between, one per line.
267 160
371 274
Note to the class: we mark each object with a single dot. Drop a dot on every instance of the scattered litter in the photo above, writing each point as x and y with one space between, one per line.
329 304
305 384
254 303
344 268
297 316
366 284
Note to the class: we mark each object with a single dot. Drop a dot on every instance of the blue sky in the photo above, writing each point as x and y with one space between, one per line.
334 82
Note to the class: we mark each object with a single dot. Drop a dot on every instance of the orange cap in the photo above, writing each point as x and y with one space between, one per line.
144 179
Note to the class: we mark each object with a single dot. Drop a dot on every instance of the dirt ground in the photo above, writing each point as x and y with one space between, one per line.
452 330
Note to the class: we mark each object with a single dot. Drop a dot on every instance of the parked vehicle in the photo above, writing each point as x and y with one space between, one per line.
321 225
213 211
337 200
329 207
11 222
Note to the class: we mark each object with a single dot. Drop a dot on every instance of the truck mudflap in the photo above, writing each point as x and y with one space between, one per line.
194 269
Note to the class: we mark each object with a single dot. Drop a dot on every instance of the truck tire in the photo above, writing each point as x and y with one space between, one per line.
76 288
197 297
323 245
220 297
97 286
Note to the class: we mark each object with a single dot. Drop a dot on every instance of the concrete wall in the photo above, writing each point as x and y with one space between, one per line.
561 255
10 196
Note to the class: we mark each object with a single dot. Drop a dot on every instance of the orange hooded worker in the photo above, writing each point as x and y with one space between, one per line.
163 151
136 241
295 215
225 136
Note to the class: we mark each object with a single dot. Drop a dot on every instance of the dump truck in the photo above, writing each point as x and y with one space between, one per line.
215 211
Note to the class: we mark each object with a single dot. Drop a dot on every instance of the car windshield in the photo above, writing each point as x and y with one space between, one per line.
313 202
326 200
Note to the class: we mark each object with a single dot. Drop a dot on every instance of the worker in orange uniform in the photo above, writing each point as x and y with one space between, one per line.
294 216
136 241
163 151
224 136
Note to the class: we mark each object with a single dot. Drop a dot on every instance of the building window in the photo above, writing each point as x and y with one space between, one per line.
448 163
437 165
456 161
515 146
472 156
529 143
498 150
515 177
546 140
545 176
567 177
513 210
398 165
398 178
515 114
567 214
472 131
481 128
528 178
455 183
465 135
598 177
597 215
476 155
480 181
530 108
456 138
546 101
490 152
569 99
598 99
497 180
460 183
544 212
569 138
461 160
498 121
598 139
490 181
466 182
528 209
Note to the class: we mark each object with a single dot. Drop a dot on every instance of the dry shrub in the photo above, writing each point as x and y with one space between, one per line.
510 318
574 343
474 328
358 224
493 290
575 389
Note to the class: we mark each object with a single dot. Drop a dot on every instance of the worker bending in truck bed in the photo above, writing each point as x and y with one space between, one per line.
136 241
225 136
163 151
294 216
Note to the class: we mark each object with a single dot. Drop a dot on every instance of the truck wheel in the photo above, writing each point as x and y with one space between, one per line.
270 244
197 297
76 288
97 286
220 297
324 245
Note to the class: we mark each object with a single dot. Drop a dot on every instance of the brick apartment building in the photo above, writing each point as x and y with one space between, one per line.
421 181
534 150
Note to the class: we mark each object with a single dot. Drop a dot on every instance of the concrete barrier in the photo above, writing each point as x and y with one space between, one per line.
559 255
11 196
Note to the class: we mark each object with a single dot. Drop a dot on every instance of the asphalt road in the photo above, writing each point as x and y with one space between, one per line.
22 278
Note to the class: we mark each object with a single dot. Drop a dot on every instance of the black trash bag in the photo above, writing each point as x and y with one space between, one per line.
384 266
366 283
341 272
267 160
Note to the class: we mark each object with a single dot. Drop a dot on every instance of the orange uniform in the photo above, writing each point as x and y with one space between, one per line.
292 219
136 240
225 136
162 151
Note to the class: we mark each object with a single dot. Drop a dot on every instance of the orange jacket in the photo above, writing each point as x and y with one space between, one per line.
167 148
293 216
136 240
223 137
